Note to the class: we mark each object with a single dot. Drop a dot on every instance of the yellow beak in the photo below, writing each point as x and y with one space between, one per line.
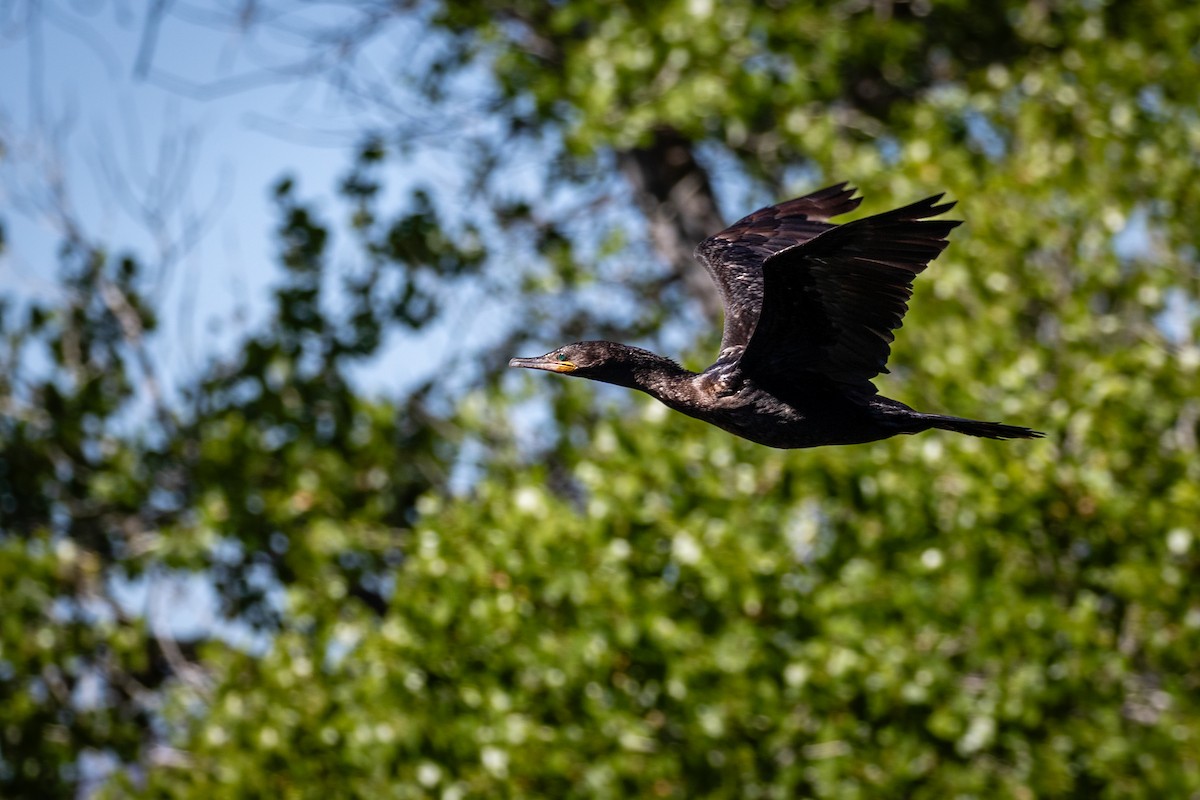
543 362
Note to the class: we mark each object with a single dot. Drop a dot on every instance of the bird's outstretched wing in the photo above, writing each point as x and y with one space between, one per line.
830 304
734 257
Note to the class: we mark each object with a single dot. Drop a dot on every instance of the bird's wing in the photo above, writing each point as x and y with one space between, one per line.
830 304
734 257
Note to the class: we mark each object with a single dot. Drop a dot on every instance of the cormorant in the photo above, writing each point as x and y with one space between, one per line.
809 311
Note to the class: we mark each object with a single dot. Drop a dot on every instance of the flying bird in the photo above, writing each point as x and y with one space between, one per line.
810 307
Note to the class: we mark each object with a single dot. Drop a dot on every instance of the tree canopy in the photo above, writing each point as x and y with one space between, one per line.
503 585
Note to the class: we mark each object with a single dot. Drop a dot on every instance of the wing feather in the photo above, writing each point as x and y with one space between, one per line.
830 304
734 257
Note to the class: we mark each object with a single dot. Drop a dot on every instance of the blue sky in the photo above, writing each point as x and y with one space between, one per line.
135 128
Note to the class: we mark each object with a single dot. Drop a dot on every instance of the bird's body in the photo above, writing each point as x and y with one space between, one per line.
809 310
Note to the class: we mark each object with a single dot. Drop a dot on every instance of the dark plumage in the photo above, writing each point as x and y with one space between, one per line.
810 307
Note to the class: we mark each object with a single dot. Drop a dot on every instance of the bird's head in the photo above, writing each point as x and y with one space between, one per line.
604 361
581 359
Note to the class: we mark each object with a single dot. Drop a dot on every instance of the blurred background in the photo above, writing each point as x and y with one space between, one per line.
275 520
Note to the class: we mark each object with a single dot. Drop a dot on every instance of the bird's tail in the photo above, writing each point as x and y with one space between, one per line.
974 427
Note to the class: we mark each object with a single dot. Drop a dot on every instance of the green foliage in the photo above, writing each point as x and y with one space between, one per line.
918 618
56 646
623 602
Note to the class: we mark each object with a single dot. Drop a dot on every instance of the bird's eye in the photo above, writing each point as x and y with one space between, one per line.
562 356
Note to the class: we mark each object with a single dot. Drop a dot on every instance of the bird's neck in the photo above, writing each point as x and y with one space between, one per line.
659 377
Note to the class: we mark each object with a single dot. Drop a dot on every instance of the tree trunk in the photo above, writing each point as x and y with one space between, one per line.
674 193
